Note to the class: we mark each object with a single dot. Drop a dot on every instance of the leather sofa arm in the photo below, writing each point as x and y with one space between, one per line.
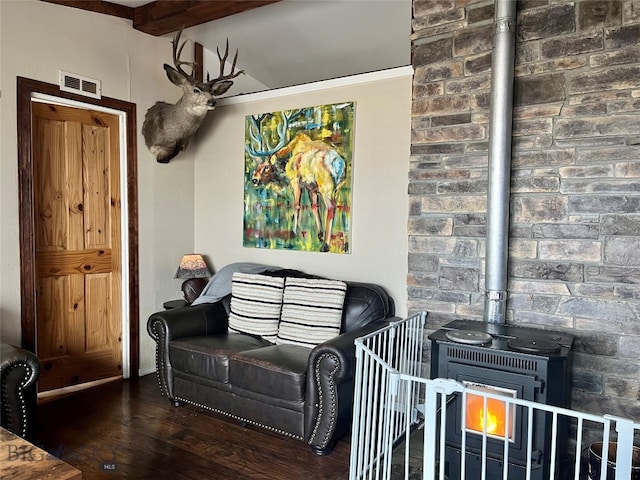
330 376
20 370
203 319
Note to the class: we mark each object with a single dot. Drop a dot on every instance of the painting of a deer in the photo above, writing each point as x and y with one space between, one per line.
302 164
167 127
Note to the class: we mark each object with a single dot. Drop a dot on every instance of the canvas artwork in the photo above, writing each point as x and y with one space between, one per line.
297 179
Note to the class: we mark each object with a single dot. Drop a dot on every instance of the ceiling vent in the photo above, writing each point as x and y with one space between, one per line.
89 87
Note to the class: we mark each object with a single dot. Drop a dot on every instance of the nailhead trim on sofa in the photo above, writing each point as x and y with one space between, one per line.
159 358
333 396
23 403
241 419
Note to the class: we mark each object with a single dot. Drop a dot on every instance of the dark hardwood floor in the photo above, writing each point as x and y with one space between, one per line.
128 430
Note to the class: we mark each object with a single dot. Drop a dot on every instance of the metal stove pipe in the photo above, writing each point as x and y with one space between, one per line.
502 68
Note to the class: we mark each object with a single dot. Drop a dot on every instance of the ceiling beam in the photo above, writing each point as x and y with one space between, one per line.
198 58
107 8
168 16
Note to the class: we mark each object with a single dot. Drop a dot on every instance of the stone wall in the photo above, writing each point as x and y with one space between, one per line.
575 189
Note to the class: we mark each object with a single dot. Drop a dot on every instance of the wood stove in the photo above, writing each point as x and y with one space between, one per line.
509 361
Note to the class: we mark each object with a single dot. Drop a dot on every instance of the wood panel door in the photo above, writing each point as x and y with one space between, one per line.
77 230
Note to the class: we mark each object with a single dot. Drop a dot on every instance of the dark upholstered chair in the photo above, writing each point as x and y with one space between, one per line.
20 370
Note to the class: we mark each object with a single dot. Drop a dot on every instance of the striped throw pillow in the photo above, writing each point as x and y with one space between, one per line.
256 302
311 311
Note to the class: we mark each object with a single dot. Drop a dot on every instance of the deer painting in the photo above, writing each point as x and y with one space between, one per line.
302 164
167 127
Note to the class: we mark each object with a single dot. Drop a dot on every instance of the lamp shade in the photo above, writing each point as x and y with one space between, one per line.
192 266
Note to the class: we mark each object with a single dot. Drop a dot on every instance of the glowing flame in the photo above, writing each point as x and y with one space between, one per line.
496 415
492 424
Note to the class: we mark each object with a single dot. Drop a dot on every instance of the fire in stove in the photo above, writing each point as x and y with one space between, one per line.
489 414
508 361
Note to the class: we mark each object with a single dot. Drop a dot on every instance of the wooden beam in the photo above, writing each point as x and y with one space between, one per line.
198 54
168 16
107 8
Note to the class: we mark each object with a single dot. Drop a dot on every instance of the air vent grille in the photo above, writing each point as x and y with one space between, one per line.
491 358
72 82
89 87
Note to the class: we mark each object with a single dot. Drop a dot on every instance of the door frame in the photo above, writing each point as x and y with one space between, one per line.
27 89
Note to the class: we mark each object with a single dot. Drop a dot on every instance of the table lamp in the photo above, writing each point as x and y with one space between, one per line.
194 270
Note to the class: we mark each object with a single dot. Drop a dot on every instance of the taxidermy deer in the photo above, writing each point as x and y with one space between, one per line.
167 127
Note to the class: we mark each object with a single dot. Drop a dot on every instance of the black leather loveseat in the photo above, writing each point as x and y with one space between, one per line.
301 392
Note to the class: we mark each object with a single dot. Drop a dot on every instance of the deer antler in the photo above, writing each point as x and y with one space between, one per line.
223 60
257 140
177 52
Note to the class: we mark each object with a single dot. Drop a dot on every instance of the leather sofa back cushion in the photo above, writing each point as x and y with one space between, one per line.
311 311
256 302
363 303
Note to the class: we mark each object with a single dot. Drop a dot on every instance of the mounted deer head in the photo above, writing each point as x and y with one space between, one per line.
167 127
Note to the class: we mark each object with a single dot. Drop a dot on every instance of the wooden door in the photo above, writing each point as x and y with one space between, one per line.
78 267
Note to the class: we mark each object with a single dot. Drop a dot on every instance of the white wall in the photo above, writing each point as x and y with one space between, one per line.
380 170
36 40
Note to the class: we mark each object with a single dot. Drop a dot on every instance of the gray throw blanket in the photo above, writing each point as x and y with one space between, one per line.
220 284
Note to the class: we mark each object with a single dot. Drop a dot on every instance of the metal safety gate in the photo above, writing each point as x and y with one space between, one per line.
400 417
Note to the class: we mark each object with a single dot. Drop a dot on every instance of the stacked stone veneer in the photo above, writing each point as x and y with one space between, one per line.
574 249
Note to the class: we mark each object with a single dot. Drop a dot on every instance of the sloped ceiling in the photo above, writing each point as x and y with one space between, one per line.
282 43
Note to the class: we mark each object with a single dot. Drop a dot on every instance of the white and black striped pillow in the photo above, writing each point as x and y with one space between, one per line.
256 302
311 311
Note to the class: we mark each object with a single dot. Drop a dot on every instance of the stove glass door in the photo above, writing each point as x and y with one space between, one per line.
489 414
523 386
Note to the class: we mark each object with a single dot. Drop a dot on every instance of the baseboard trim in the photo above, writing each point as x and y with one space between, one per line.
50 395
146 371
